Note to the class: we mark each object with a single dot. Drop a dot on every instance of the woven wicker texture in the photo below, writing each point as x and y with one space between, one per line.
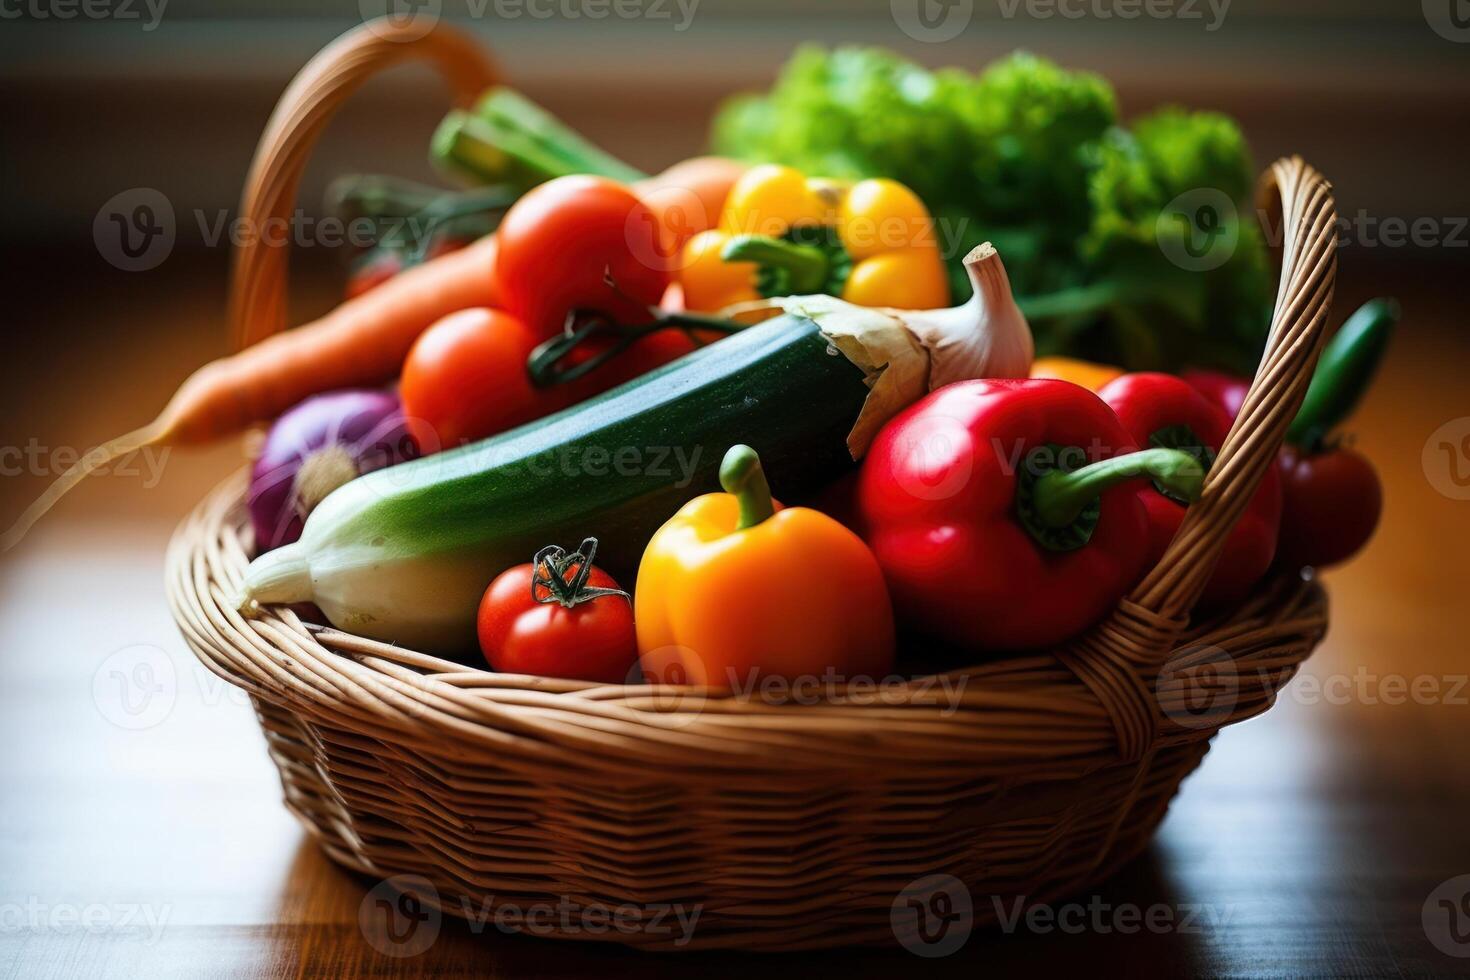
789 825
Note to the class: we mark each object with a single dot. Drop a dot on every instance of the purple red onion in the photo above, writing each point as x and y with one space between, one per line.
316 447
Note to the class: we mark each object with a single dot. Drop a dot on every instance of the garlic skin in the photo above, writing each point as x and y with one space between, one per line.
905 354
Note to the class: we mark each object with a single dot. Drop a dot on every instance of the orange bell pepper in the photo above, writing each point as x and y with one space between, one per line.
733 590
1085 373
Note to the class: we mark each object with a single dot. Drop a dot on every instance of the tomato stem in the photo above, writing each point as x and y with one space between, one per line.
553 564
543 365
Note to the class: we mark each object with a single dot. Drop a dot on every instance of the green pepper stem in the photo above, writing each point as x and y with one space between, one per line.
741 474
1060 497
807 265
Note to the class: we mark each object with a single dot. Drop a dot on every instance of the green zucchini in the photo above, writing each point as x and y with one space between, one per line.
404 554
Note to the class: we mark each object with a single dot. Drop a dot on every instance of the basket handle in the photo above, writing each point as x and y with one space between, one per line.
257 301
1303 198
1120 658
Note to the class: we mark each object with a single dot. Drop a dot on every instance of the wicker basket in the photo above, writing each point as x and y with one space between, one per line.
786 825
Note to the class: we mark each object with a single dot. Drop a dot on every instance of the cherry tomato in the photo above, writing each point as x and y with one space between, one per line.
465 379
561 242
1331 504
593 640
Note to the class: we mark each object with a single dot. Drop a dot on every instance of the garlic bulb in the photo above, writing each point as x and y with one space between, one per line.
987 337
906 354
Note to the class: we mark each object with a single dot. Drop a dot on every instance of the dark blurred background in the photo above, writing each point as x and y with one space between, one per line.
1367 89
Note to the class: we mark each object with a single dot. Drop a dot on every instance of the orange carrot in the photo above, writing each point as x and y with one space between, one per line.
364 340
361 342
689 196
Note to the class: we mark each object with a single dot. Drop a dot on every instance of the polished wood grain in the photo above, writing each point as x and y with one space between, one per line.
1307 845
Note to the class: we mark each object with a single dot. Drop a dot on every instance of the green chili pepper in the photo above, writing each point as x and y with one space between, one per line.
1344 371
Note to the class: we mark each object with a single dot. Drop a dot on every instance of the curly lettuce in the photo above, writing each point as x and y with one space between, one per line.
1032 157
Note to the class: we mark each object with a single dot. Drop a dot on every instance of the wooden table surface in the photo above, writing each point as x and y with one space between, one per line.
142 831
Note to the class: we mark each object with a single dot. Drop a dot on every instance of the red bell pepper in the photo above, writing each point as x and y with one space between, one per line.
1225 391
1007 514
1162 410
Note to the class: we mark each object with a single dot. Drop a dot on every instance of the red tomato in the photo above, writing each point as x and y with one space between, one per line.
592 641
465 378
1331 503
560 242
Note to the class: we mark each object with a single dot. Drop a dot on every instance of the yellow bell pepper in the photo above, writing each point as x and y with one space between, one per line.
1085 373
782 233
734 590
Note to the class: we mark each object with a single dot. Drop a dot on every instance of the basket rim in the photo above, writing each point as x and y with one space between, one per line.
1031 713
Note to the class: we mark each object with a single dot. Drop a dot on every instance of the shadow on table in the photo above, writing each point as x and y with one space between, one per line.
1101 933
